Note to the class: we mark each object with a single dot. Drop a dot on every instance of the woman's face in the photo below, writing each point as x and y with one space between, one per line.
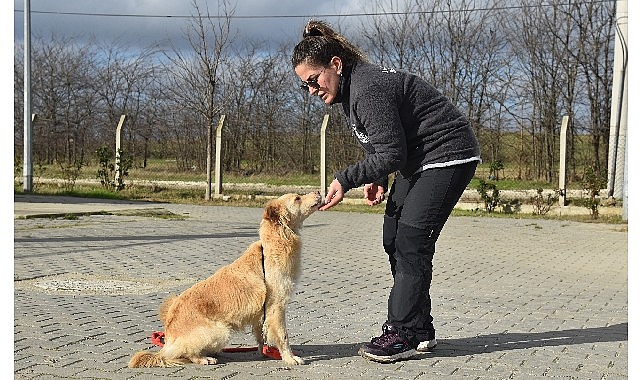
323 82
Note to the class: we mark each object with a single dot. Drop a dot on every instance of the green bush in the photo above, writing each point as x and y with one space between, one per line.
489 194
542 205
107 169
593 182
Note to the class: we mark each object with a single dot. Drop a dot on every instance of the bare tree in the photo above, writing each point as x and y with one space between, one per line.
245 81
596 23
123 82
560 47
391 38
194 75
63 98
536 51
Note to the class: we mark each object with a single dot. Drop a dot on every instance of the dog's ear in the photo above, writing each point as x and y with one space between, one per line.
272 212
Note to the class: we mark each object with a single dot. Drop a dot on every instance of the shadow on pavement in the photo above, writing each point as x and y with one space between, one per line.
483 343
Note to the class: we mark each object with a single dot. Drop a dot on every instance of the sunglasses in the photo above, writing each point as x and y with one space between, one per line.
313 83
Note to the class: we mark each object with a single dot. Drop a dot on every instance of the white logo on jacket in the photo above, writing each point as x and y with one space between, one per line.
360 135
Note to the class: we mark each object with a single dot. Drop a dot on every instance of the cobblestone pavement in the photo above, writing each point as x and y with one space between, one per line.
512 298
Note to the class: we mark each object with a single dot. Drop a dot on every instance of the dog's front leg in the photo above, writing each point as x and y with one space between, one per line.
276 333
257 329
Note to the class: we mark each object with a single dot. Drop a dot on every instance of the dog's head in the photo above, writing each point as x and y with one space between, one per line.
290 210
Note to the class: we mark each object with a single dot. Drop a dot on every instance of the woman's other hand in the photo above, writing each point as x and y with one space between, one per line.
374 194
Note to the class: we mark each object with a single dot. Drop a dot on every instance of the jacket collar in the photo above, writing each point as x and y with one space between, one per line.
343 89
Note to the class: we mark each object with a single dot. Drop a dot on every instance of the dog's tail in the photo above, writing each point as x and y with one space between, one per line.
147 359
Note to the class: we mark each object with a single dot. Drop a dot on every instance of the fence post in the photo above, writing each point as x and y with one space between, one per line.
562 161
118 149
218 188
323 168
27 164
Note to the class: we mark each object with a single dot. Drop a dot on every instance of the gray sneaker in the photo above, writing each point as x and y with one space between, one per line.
426 345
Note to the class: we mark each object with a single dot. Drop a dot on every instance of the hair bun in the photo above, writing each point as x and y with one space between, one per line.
323 44
312 33
317 28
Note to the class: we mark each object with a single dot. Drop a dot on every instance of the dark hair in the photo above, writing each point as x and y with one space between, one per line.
320 43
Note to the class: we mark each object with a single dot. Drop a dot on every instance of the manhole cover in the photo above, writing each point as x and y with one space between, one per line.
85 284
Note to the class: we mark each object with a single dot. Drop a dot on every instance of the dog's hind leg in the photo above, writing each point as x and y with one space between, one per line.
200 344
276 333
186 353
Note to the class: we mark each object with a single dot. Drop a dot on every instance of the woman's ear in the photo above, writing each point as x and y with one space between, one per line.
337 64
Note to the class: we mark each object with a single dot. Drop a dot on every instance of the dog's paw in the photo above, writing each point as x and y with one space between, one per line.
294 360
211 361
204 360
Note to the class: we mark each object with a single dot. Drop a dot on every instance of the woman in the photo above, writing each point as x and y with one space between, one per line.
405 127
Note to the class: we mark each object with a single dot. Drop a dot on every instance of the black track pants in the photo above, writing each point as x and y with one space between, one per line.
417 209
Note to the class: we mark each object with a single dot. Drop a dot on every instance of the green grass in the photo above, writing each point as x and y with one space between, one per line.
511 184
270 179
247 199
166 170
609 219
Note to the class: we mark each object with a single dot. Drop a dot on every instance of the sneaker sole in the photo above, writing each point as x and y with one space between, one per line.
427 349
387 359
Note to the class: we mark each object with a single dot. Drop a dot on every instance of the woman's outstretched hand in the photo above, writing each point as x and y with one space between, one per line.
334 195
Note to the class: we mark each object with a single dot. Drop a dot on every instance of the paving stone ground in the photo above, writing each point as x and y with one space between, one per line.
512 298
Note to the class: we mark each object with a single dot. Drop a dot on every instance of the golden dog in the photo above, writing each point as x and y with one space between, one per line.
251 291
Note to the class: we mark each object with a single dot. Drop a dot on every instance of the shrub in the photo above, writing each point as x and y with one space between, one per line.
511 207
593 182
495 167
489 194
70 173
107 171
542 205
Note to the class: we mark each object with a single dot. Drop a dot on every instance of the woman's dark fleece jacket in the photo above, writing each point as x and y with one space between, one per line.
402 122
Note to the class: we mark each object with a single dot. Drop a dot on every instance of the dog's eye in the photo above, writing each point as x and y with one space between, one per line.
297 199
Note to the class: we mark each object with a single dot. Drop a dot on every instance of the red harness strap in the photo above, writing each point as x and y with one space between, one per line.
158 339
